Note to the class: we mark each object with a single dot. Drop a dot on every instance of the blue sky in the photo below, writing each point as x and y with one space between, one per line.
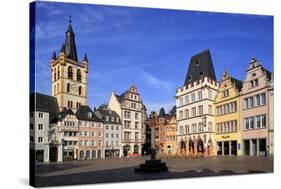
150 48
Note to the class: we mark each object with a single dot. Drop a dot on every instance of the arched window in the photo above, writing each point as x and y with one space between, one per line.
80 90
58 88
58 72
78 75
82 156
55 89
68 87
94 154
55 74
70 73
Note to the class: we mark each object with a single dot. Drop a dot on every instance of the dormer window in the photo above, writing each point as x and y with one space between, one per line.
201 75
117 119
197 63
189 78
112 119
254 74
89 114
106 118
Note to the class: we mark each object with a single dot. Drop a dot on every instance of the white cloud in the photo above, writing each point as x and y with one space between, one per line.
155 82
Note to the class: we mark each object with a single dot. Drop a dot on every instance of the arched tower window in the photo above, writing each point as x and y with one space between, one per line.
68 87
70 72
58 72
55 74
78 75
80 90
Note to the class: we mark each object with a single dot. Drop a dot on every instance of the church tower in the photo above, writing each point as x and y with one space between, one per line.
69 76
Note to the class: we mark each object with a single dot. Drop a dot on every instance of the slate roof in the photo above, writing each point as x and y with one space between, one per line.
70 46
61 115
238 83
83 114
200 65
101 113
162 112
173 111
44 103
268 73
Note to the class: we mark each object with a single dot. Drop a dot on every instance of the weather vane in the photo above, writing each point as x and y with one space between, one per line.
70 19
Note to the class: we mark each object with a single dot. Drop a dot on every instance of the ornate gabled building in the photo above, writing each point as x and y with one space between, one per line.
69 76
195 101
130 107
63 136
227 116
257 111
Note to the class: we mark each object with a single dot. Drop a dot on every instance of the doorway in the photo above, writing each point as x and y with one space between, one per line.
53 154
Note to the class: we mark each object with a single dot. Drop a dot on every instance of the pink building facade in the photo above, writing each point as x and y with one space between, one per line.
256 118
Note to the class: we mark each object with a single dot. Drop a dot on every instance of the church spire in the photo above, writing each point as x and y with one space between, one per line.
54 57
70 46
85 59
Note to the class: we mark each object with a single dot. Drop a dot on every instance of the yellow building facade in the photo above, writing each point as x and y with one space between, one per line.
227 111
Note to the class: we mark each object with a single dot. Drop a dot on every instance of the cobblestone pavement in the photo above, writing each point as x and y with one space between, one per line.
113 170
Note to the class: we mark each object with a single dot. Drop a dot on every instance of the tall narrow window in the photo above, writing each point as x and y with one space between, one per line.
80 90
68 87
55 74
78 75
70 73
58 72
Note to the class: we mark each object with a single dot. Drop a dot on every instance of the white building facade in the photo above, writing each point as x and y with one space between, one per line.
195 107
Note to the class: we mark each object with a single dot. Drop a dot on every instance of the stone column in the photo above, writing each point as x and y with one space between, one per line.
60 152
251 147
229 144
222 148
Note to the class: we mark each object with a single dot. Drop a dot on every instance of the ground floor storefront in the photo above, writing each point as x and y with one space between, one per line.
228 148
255 147
90 153
131 149
112 153
40 152
196 145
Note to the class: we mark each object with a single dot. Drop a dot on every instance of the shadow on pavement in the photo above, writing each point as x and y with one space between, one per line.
124 174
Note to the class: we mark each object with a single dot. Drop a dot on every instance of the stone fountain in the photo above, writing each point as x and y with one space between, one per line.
154 164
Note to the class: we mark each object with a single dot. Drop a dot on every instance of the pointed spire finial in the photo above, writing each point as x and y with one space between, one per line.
85 59
69 19
54 57
225 74
62 48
